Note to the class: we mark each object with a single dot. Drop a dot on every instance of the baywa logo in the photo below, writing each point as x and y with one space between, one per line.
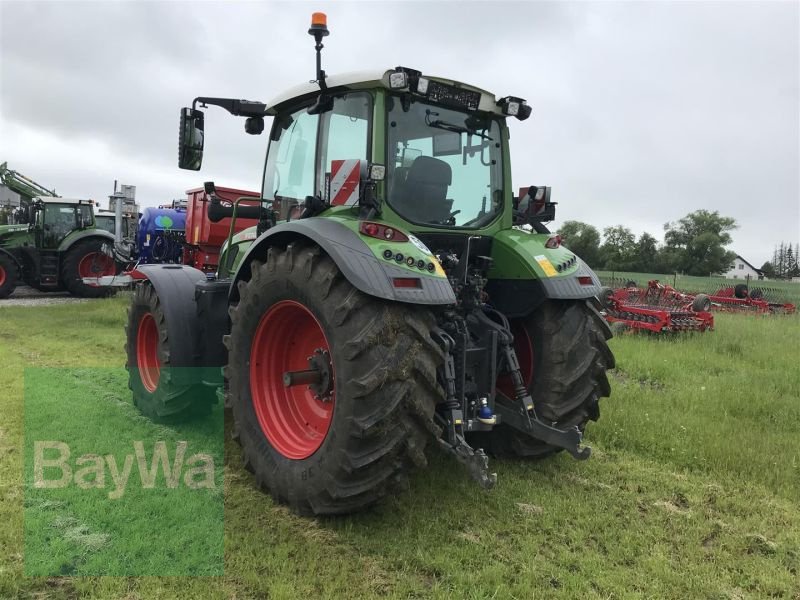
89 470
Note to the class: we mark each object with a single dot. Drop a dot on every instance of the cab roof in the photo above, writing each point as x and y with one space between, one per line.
56 200
359 80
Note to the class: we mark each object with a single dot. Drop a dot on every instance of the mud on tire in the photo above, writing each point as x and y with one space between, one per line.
570 357
163 394
384 385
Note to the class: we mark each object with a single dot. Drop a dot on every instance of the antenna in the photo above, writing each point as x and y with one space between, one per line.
319 29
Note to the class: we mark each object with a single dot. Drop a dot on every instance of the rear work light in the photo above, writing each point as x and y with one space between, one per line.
381 232
515 107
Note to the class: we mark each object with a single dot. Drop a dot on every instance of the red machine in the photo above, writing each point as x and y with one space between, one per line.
742 299
204 238
658 308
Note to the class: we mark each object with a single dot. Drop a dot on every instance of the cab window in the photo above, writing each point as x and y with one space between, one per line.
298 166
344 139
289 173
59 220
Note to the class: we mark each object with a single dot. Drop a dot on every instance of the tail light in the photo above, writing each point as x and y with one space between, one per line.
381 232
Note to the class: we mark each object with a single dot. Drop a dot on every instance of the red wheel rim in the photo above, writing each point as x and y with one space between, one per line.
2 275
292 418
96 264
523 347
147 352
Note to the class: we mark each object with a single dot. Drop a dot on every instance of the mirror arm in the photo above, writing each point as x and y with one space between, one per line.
238 108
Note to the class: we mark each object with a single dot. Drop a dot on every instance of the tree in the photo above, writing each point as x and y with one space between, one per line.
768 270
584 240
646 254
698 241
618 252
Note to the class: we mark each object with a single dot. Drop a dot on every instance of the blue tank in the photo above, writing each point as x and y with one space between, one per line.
161 235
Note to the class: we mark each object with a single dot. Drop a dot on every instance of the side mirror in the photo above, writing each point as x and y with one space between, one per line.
190 139
534 205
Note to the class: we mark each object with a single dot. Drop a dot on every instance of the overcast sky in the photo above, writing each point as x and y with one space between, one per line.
642 112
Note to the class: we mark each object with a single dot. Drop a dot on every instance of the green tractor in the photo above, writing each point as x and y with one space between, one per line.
54 246
394 294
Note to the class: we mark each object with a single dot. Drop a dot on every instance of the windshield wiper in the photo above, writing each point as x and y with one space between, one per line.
439 124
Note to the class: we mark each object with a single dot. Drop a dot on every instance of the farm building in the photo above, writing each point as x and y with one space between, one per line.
741 269
8 197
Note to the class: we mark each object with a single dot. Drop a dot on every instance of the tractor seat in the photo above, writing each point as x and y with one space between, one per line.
423 196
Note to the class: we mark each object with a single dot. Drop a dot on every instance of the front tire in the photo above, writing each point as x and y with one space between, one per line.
8 276
342 444
87 259
563 355
161 393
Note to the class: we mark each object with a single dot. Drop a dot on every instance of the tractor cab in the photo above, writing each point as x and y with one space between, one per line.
425 150
52 220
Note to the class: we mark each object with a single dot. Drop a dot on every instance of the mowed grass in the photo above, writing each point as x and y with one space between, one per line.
133 525
691 492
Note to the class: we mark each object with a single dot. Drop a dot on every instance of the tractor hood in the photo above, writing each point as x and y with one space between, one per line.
11 232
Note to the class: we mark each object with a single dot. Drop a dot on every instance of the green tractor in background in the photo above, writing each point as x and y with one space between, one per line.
53 246
394 293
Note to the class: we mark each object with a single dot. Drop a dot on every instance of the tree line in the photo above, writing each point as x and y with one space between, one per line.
784 263
693 245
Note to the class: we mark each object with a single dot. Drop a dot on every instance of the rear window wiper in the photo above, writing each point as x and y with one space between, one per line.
439 124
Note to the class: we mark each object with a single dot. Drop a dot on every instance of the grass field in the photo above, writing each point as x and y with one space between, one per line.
693 489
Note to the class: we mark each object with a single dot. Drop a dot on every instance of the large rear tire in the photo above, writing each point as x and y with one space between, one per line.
340 445
564 356
163 394
87 259
8 276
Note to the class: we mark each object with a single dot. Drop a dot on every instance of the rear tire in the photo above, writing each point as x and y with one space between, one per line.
740 291
8 276
570 357
87 259
155 390
362 440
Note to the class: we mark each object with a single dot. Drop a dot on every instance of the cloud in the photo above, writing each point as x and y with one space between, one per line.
643 112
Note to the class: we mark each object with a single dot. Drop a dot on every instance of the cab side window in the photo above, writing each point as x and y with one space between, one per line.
344 139
289 172
59 220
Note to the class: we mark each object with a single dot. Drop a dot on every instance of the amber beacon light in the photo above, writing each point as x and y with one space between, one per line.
319 24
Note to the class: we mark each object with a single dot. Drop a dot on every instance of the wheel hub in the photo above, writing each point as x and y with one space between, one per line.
292 380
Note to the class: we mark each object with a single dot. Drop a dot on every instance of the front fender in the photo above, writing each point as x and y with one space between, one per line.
526 273
70 240
355 260
17 262
175 286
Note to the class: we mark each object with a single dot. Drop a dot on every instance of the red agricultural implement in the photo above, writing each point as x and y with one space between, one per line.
207 229
206 233
742 299
657 308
